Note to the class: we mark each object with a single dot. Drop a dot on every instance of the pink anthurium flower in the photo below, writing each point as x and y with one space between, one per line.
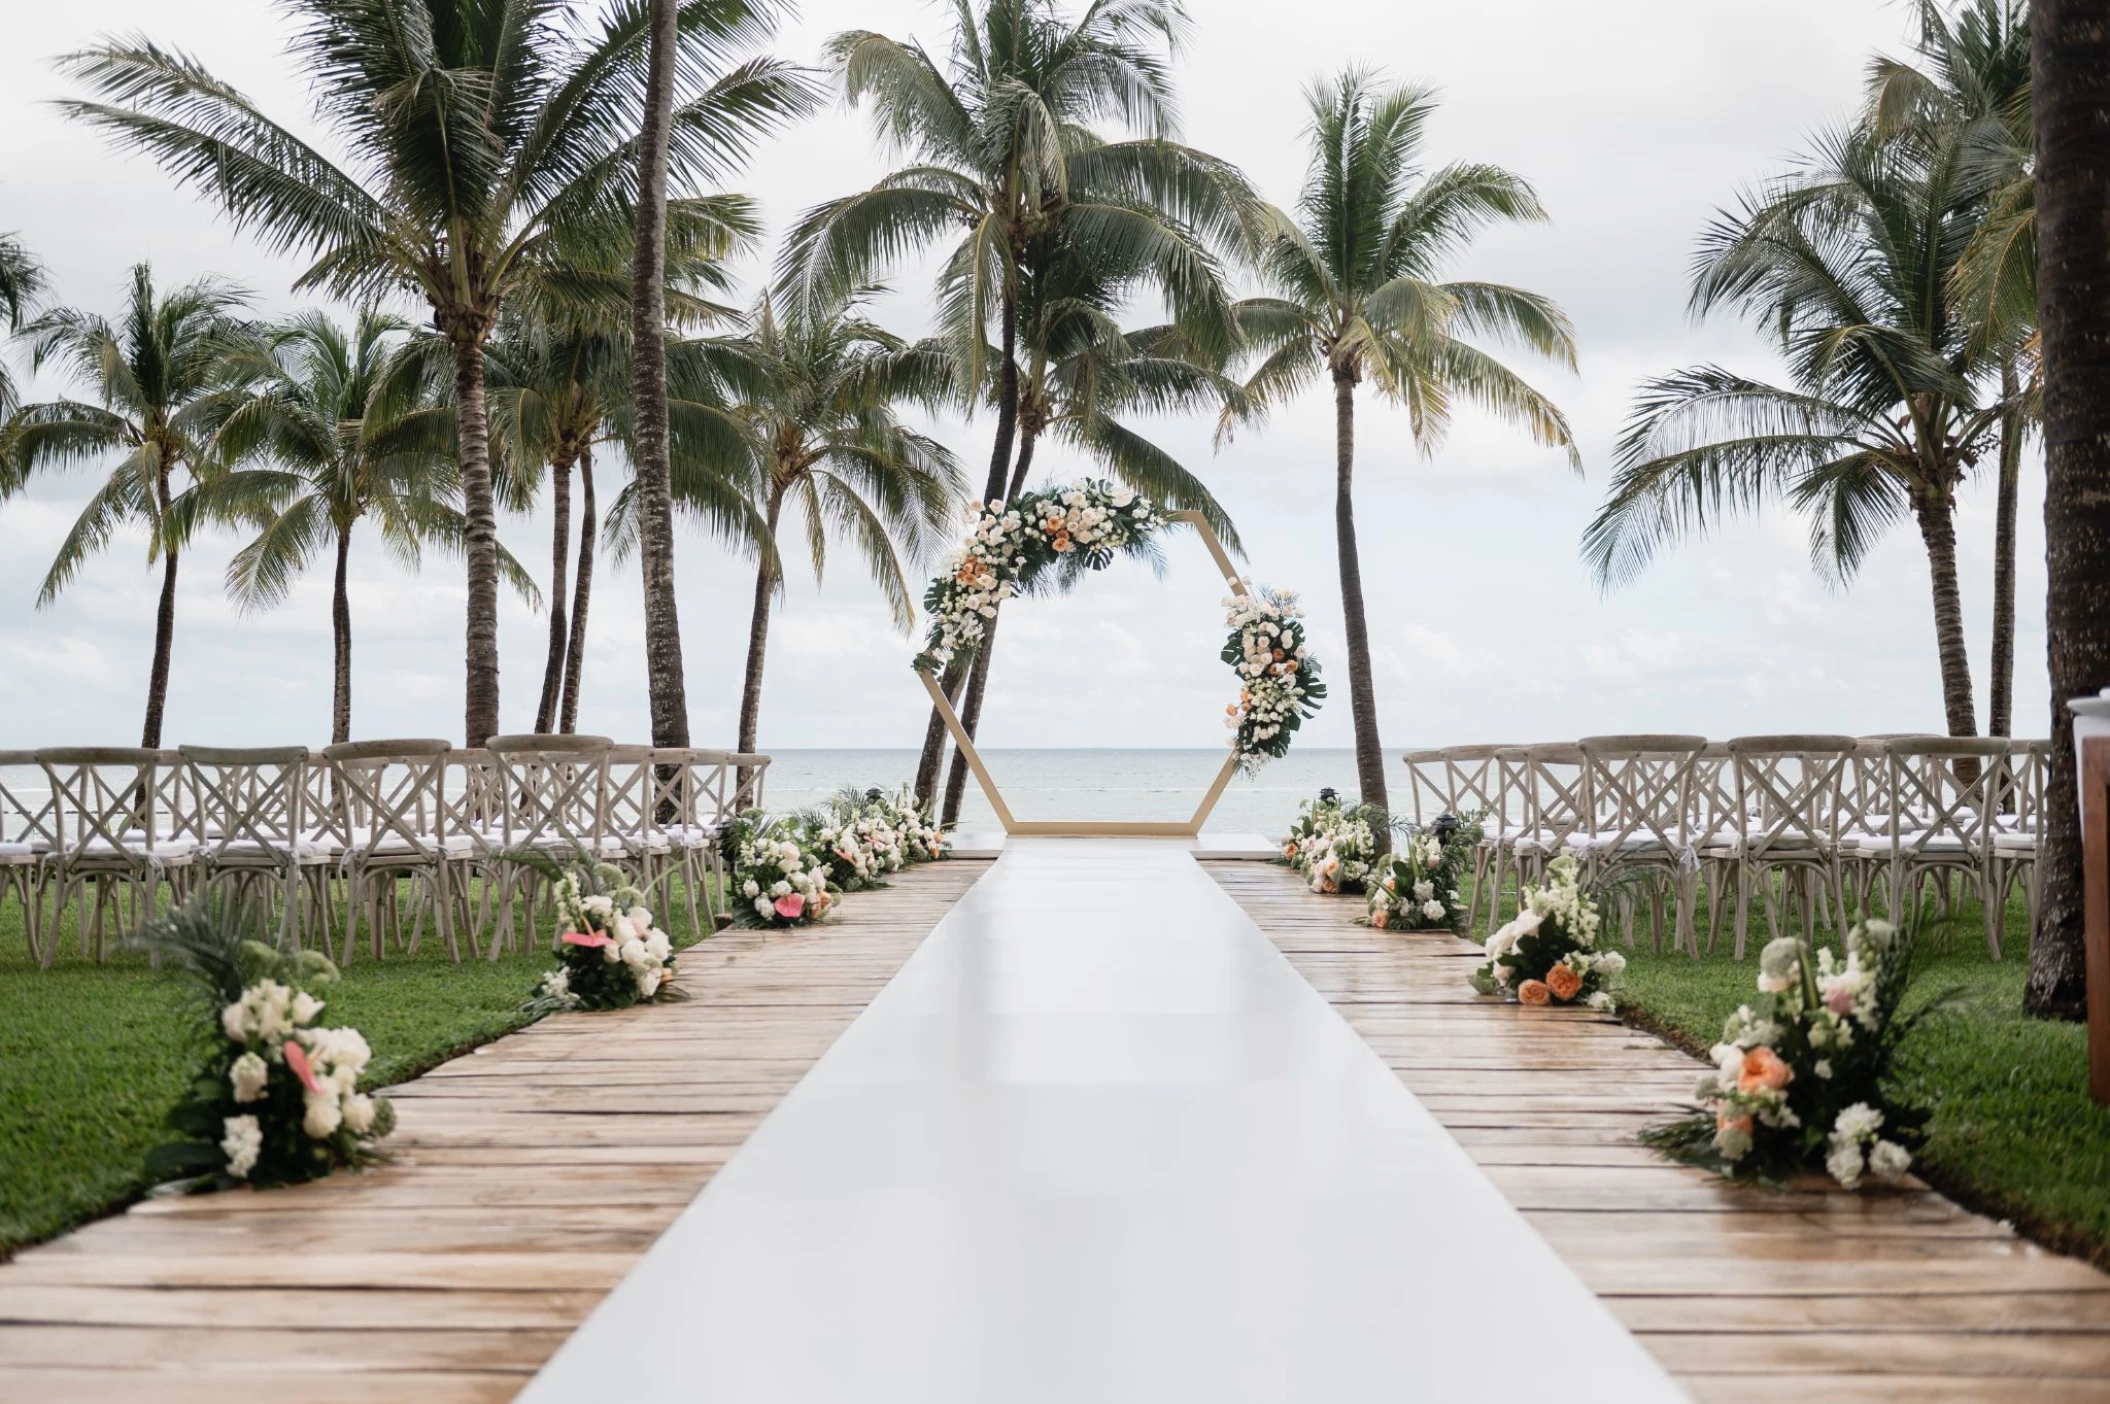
790 906
586 938
297 1059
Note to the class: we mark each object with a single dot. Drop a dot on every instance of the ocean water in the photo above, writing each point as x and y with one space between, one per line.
1096 784
1041 784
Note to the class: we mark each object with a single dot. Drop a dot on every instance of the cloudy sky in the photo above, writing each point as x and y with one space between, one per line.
1635 119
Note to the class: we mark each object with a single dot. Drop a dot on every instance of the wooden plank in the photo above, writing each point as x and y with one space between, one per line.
527 1177
1740 1291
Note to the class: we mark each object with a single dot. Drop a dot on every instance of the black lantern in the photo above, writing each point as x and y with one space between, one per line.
1446 824
873 795
1329 795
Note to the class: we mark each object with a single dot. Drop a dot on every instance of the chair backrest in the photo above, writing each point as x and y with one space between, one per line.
632 792
29 806
1713 812
1640 788
710 787
247 801
106 798
1556 780
390 797
1788 789
1948 791
1428 790
2021 808
1473 781
554 790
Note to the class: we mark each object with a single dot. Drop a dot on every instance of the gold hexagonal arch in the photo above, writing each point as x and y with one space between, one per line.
1098 828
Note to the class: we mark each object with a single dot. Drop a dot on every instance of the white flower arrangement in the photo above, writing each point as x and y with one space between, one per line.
1278 679
1416 887
610 952
1804 1079
1547 954
1334 848
781 872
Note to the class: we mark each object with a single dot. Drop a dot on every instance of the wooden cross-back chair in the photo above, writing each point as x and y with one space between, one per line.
1638 795
1948 791
390 808
248 812
750 769
1472 789
1428 789
29 833
1555 780
553 807
1788 792
115 850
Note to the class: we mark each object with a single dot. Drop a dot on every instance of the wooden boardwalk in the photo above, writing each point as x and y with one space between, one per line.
1742 1293
529 1176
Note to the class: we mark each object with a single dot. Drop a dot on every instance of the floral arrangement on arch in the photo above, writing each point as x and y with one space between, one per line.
1333 846
1416 887
1278 678
1805 1079
1548 953
276 1100
1085 525
779 871
610 955
1012 542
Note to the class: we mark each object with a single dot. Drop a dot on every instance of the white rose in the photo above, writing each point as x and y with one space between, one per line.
647 983
1887 1160
359 1113
599 905
1432 910
632 953
235 1023
640 919
305 1008
764 906
324 1116
1845 1164
249 1074
658 947
751 888
241 1142
1609 963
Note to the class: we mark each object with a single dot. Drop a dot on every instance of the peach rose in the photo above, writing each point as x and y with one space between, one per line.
1763 1070
1723 1121
1564 982
1534 992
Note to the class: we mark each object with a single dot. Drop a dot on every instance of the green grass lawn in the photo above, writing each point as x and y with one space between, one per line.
91 1057
2014 1136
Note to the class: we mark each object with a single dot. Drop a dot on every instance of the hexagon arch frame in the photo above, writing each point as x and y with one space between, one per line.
1098 828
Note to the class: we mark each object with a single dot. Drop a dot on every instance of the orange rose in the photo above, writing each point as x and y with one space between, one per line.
1725 1122
1763 1070
1564 982
1534 992
1377 919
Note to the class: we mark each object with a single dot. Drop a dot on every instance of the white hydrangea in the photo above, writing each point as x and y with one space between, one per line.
249 1076
1887 1160
241 1141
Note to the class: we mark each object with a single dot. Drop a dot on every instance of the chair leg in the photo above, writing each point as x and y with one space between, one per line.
1744 877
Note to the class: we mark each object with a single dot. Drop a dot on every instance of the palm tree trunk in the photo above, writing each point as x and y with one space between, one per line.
992 491
757 644
1938 530
2070 85
341 638
648 320
560 556
978 676
1362 692
480 537
2001 687
582 592
164 641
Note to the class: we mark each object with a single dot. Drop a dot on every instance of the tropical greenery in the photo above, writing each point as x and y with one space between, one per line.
1356 295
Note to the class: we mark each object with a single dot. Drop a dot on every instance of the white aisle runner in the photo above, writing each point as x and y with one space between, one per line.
1097 1143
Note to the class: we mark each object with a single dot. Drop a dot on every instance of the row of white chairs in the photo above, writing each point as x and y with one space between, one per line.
1803 823
292 835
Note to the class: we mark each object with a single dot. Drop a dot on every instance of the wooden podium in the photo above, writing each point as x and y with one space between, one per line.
2095 865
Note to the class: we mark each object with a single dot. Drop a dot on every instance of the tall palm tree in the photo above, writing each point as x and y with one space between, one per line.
1079 375
21 284
823 409
1968 92
161 378
355 427
1002 149
492 149
1849 262
2070 88
1356 297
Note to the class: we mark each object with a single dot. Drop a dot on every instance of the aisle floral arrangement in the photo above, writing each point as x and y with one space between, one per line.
1417 886
610 955
779 871
276 1100
1548 954
1278 678
1334 847
790 870
1805 1079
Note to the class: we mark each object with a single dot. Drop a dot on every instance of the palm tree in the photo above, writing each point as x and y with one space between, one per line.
1849 261
1356 298
21 284
161 378
355 427
1079 371
1969 93
2070 88
822 408
491 148
1002 147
